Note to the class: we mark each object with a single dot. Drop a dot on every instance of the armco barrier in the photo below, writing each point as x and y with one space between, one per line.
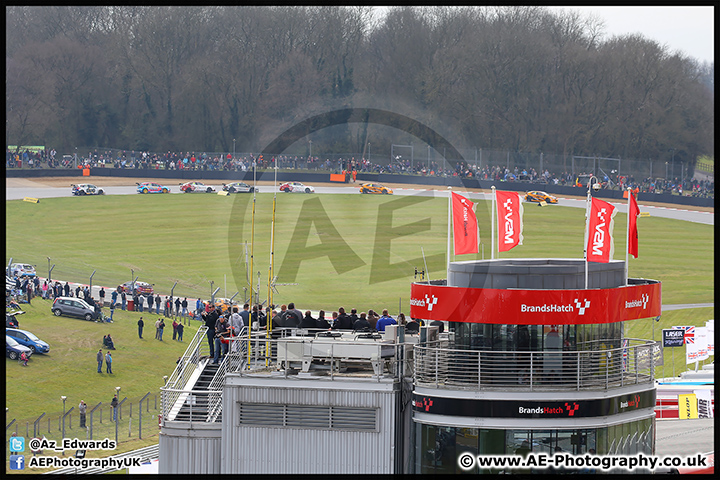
322 177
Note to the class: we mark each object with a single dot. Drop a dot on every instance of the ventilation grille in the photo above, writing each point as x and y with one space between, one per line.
308 416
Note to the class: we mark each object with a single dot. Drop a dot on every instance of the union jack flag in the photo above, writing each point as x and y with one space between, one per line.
689 334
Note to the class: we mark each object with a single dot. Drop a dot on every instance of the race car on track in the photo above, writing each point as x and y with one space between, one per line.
86 189
150 187
375 188
142 287
239 187
538 196
196 187
296 187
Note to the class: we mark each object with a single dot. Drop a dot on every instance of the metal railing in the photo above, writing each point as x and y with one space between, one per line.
598 369
289 355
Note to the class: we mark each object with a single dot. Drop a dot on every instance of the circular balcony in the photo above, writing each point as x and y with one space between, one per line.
594 369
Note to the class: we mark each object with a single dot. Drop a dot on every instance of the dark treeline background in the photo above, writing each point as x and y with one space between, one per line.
196 78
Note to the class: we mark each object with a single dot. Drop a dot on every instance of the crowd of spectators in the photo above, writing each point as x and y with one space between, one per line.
229 162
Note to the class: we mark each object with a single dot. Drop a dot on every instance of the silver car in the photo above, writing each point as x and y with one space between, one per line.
73 307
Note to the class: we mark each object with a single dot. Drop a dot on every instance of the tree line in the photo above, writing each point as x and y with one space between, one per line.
221 78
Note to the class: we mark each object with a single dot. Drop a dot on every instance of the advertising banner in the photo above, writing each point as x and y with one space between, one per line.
687 406
673 338
510 221
600 246
535 307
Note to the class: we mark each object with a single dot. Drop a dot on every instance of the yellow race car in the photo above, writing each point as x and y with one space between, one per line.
375 188
538 196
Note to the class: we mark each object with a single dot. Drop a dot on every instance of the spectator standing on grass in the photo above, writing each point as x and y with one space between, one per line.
113 297
108 362
67 290
158 301
177 306
99 360
140 301
175 325
157 329
161 329
150 302
45 290
180 329
114 405
82 408
141 324
112 311
102 296
123 300
198 307
184 305
29 292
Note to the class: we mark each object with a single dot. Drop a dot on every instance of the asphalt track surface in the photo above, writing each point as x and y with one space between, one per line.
13 192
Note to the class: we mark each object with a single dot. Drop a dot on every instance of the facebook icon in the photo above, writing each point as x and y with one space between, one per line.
17 462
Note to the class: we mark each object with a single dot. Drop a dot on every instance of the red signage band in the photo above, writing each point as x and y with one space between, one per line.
535 307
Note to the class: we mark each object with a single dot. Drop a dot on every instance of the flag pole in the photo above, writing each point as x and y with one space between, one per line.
492 224
448 235
587 224
627 238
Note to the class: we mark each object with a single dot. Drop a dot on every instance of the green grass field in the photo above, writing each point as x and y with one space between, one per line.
351 250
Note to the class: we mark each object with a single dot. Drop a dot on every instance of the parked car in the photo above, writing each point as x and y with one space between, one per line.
28 339
73 307
151 187
22 270
86 189
11 320
13 349
239 187
296 187
143 288
538 196
375 188
196 187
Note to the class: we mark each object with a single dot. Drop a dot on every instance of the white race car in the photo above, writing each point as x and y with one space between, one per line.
86 189
296 187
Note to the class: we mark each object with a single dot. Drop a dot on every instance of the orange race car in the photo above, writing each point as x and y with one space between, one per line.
538 196
375 188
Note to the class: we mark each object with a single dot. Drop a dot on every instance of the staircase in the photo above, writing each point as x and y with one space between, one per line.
195 407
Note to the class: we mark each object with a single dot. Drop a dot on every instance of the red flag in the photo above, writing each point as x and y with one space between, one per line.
510 222
634 213
465 227
600 246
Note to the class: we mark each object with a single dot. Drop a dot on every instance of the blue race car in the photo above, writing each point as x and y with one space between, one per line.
151 187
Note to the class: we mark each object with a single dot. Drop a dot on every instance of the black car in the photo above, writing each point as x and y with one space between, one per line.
11 320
